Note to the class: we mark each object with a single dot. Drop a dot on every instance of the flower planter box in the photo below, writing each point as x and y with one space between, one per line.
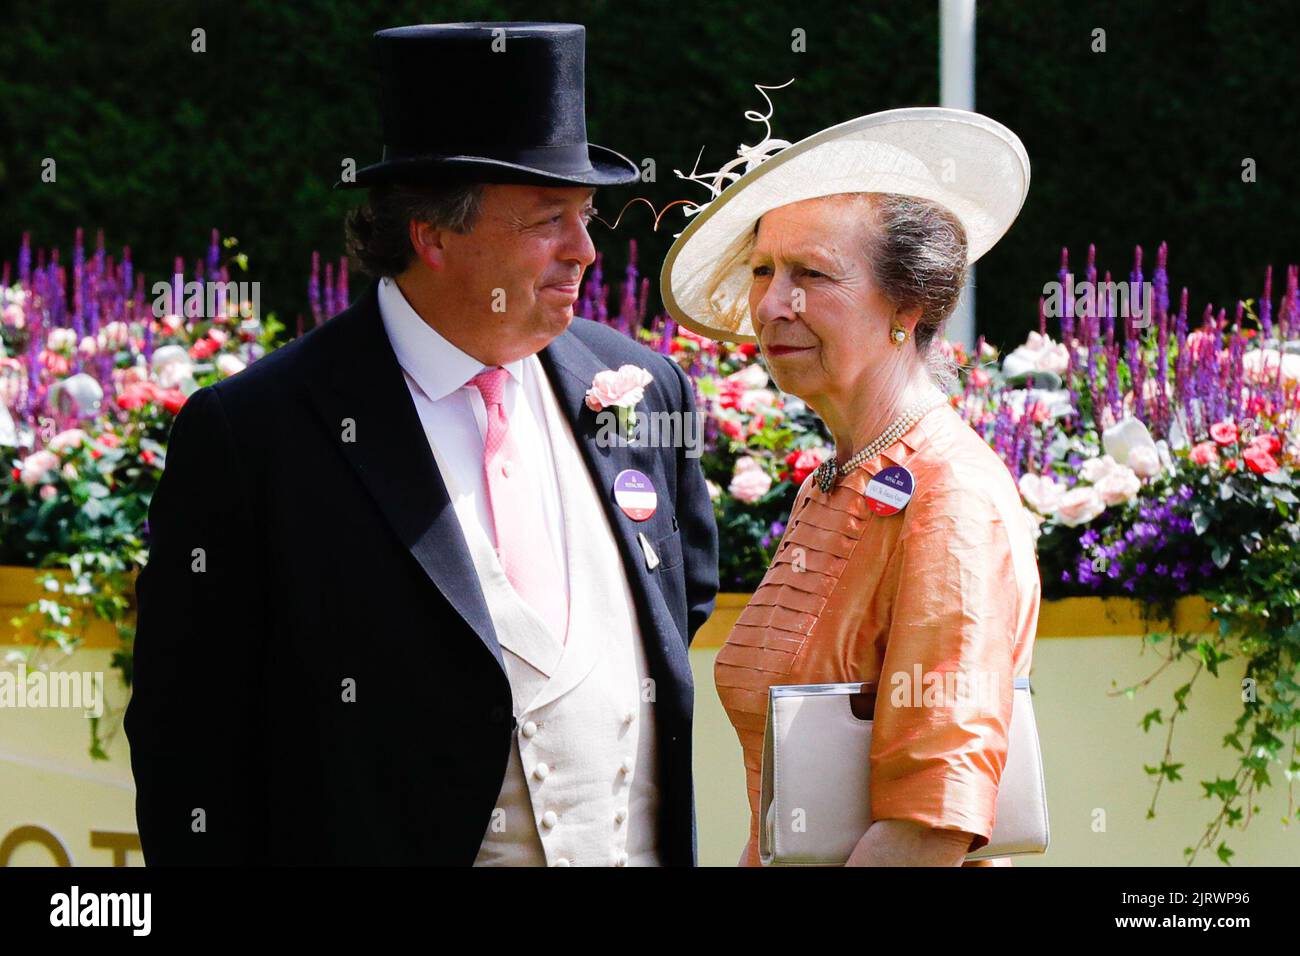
1067 617
20 586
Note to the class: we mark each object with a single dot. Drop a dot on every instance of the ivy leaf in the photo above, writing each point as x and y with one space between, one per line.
1152 718
1200 521
1224 853
1221 556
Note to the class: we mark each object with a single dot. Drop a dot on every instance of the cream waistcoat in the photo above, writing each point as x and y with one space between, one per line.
580 788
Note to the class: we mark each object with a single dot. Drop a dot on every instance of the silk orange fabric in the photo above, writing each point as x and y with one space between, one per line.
949 585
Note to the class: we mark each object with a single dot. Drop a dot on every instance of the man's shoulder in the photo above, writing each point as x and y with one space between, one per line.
286 370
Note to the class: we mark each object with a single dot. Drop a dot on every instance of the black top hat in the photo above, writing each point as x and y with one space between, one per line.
488 102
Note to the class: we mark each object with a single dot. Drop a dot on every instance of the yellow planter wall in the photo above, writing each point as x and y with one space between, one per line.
58 803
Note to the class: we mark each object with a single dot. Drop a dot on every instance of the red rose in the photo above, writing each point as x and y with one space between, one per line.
1268 443
17 473
731 392
1224 433
172 399
204 348
730 429
129 402
1259 461
147 456
748 349
1230 464
979 378
110 439
804 463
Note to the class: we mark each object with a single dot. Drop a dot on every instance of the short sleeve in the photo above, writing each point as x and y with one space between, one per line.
943 704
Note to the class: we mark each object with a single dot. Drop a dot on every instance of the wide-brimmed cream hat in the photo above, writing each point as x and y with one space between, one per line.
971 164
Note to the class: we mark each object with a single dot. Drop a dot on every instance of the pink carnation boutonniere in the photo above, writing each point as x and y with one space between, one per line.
619 390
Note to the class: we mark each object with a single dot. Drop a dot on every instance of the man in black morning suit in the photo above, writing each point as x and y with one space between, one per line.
303 542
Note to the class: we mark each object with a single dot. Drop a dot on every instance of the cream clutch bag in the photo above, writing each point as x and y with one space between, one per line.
815 800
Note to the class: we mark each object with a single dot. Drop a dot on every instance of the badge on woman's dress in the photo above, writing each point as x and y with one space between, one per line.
634 494
890 490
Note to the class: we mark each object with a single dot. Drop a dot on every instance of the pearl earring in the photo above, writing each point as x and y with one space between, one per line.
898 334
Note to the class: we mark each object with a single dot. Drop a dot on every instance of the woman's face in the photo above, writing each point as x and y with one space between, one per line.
822 324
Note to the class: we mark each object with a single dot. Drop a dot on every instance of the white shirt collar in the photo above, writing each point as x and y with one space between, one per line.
437 366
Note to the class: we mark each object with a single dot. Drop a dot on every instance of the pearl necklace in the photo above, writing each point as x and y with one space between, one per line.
827 472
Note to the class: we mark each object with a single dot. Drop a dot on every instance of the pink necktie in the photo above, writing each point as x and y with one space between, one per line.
516 513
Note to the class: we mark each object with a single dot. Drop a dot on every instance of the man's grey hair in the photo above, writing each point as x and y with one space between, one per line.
378 231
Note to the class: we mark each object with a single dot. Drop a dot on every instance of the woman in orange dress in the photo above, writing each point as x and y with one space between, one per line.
846 293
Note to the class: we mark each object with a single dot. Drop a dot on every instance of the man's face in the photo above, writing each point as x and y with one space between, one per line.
518 269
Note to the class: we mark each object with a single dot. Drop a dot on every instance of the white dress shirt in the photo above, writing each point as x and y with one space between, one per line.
455 419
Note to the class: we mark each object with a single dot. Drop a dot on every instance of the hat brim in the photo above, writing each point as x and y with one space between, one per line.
971 164
608 168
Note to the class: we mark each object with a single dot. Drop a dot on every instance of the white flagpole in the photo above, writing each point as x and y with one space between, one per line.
957 90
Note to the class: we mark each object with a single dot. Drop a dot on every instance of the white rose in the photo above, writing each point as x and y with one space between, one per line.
1035 522
1124 437
751 376
1043 493
1095 469
228 364
1119 486
1145 462
1080 505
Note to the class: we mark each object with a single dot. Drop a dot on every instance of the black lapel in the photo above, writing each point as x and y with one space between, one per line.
571 365
357 377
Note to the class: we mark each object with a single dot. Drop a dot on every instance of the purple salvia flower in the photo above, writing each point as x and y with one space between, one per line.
1266 304
1067 306
25 260
313 288
214 253
1162 366
329 290
178 287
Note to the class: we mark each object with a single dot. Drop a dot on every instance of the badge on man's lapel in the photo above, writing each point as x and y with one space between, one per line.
635 494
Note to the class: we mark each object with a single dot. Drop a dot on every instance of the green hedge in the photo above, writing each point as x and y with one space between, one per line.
1144 143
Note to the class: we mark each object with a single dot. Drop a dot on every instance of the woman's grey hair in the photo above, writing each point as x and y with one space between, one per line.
378 231
916 249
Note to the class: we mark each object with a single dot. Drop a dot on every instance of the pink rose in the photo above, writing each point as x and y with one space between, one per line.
1206 453
1119 486
749 482
623 388
65 440
48 492
751 376
1043 493
36 466
1080 505
756 400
